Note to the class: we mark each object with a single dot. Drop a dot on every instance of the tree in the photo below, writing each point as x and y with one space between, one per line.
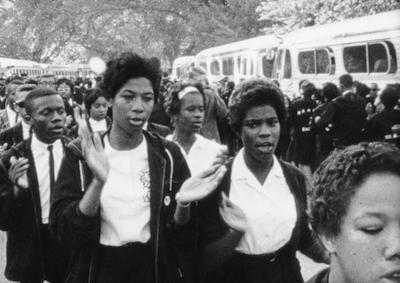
286 15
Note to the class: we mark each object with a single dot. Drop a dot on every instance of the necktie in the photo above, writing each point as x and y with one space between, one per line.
16 118
51 166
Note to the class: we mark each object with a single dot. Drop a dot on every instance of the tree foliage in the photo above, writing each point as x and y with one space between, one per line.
43 30
286 15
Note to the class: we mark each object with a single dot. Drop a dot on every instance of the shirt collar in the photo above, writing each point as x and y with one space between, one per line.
91 120
37 144
241 171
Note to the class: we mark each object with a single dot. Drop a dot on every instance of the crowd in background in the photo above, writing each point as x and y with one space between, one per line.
137 178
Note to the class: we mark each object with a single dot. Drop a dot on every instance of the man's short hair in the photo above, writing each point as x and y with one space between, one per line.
26 87
35 94
11 86
196 71
346 80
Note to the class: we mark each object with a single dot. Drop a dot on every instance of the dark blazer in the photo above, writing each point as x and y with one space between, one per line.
12 136
174 247
212 227
158 129
347 115
21 218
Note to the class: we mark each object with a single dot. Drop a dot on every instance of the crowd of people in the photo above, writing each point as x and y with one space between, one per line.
137 178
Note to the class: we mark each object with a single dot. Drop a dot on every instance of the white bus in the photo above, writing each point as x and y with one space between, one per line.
368 48
240 60
181 67
9 67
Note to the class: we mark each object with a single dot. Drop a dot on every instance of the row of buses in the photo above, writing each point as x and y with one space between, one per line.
367 47
10 67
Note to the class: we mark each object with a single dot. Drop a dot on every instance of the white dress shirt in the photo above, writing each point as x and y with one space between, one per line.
201 154
26 130
13 117
270 208
125 197
41 159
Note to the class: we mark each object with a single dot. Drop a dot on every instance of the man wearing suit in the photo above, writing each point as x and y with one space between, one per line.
21 130
27 176
346 113
8 116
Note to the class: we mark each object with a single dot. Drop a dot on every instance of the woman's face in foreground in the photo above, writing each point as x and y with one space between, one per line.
260 132
367 248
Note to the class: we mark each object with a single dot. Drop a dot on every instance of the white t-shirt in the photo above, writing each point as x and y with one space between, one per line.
201 154
40 154
125 198
270 208
98 126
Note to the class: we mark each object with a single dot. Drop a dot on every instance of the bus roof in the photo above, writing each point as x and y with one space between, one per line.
184 60
362 27
266 41
8 62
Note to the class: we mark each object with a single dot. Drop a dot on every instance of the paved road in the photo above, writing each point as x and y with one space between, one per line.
308 267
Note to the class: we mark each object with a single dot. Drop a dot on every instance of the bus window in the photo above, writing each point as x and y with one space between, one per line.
244 66
377 56
267 65
323 64
306 62
287 71
227 66
214 68
203 65
355 59
277 65
393 58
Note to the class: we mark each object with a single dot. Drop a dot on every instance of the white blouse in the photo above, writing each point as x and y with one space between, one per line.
270 208
201 154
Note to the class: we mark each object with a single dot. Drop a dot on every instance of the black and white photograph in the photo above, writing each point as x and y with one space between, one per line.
202 141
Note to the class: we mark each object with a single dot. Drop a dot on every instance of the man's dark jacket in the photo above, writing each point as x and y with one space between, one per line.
21 218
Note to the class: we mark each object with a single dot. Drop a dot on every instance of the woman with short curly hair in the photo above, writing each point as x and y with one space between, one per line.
252 231
123 199
355 210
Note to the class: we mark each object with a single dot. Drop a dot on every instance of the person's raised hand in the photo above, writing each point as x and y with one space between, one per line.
232 214
17 172
3 147
201 185
93 152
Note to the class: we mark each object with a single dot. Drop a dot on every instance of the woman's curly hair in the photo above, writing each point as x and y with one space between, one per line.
128 66
251 93
339 176
173 102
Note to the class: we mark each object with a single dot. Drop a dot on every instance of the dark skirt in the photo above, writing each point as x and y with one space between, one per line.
130 263
240 268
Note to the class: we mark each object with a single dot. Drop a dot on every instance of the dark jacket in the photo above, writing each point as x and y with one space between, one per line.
158 129
320 277
12 136
379 127
212 227
21 218
174 246
347 115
